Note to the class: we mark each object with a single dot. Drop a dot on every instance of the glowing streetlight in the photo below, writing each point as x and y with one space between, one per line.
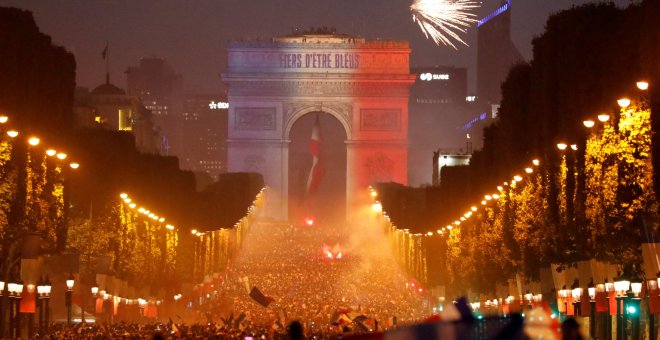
574 147
449 227
51 152
141 210
623 102
473 208
3 119
34 141
377 207
529 170
483 202
430 233
642 85
161 220
603 117
500 188
74 165
561 146
589 123
536 162
169 227
12 133
488 197
61 155
123 195
496 196
193 231
517 178
132 205
127 200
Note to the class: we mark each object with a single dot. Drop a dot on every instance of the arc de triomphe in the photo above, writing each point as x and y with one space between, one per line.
363 84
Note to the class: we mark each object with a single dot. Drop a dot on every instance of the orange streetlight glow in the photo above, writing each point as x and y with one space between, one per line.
123 195
12 133
529 170
561 146
132 205
61 155
51 152
170 227
574 147
642 85
3 119
623 102
603 117
33 141
517 178
589 123
536 162
194 231
74 165
474 208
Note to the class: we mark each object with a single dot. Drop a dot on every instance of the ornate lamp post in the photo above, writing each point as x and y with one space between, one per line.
43 291
70 281
576 293
15 290
632 310
621 287
563 294
592 313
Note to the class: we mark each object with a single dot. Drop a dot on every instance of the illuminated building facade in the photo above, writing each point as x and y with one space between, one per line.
439 109
108 106
442 160
362 84
161 91
204 131
496 53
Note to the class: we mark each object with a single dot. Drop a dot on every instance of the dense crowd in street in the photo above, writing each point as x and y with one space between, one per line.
319 275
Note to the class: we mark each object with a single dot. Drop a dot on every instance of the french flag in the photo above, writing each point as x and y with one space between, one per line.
318 170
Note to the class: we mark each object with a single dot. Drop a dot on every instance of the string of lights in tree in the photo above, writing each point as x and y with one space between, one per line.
36 141
589 123
250 210
144 211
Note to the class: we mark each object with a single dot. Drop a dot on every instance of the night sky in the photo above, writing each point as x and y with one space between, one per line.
192 34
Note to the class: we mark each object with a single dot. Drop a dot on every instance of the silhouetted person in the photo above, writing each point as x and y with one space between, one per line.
570 330
295 330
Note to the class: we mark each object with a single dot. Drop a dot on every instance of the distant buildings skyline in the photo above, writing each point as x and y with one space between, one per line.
163 119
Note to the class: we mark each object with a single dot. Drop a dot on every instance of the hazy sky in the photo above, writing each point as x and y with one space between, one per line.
192 34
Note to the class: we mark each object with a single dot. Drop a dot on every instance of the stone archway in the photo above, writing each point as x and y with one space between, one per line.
363 84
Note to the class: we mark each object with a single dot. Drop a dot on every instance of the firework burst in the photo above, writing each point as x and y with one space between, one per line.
444 20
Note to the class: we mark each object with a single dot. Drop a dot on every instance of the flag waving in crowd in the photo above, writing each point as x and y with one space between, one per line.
318 171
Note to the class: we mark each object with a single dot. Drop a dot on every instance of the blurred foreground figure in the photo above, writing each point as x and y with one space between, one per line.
570 330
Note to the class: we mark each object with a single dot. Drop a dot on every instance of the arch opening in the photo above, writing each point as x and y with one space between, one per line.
328 203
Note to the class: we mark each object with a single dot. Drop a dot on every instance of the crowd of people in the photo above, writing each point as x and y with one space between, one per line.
334 279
